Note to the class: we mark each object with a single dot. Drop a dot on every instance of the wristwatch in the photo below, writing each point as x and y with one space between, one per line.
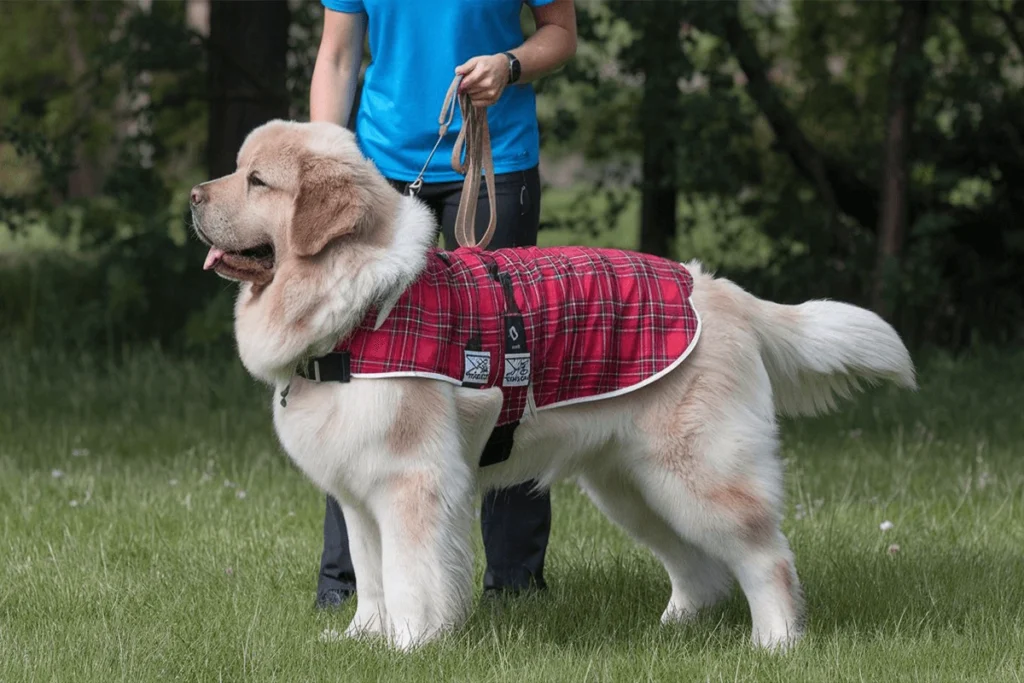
515 69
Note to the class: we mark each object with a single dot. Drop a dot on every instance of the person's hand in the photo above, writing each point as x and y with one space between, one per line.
484 79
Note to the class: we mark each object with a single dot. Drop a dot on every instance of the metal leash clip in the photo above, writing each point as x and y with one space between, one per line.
448 108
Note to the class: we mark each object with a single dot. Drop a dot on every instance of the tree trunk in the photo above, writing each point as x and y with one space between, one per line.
83 180
658 186
904 88
247 52
663 64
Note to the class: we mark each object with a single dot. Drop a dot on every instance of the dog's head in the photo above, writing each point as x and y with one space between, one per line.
298 189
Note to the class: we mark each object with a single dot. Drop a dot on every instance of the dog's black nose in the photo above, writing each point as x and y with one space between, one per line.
197 195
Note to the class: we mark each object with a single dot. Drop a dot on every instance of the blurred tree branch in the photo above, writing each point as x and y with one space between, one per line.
1010 22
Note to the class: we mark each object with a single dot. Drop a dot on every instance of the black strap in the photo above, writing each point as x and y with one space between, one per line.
334 367
510 298
499 445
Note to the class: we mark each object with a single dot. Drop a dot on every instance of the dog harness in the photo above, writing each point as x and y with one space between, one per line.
550 327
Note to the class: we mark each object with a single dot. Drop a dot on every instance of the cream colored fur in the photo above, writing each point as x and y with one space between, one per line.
688 465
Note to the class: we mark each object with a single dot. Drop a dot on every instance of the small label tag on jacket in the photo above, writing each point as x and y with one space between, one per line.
476 367
515 334
517 356
517 370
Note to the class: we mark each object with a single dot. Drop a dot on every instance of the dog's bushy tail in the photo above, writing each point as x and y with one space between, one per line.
819 351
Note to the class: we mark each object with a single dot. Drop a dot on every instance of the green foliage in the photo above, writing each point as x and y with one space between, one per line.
132 119
139 287
103 124
829 64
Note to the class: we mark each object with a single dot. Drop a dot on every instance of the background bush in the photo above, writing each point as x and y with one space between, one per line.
716 109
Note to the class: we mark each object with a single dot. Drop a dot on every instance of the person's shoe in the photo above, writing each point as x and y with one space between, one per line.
533 587
332 598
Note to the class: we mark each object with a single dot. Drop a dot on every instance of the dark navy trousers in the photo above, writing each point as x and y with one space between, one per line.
515 522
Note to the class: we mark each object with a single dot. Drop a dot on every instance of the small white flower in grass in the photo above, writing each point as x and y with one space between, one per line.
886 525
240 494
229 571
79 452
894 548
56 474
73 503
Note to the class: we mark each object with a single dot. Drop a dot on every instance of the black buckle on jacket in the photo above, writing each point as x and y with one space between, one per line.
334 367
499 445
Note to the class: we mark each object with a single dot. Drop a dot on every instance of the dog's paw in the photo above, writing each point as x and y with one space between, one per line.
406 638
368 625
678 614
779 642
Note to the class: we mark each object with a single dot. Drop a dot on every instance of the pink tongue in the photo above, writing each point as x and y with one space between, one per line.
213 258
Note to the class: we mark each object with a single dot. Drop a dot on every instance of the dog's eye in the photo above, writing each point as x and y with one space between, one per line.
254 180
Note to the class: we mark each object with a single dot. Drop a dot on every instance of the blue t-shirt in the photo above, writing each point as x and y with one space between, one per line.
415 46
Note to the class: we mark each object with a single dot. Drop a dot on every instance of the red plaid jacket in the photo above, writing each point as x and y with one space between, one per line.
597 323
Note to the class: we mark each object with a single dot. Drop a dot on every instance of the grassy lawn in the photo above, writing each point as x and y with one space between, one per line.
150 529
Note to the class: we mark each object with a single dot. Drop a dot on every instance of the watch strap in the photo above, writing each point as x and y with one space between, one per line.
514 67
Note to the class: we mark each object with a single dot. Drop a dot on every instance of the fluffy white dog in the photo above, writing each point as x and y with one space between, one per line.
687 464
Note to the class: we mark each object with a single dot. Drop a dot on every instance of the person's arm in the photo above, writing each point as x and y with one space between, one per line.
554 43
336 73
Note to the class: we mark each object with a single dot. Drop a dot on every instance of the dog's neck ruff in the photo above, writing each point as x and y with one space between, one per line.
598 323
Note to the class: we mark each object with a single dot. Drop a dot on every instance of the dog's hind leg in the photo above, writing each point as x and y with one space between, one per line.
763 563
767 574
698 581
727 501
735 521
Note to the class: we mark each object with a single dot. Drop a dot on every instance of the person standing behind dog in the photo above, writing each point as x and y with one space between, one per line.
416 48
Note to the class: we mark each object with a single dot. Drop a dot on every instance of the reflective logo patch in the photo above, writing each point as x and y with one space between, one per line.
476 367
517 370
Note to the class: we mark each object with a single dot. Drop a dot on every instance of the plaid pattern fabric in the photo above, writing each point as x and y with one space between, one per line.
598 322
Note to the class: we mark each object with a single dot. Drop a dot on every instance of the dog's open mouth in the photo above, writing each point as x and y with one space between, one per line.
251 265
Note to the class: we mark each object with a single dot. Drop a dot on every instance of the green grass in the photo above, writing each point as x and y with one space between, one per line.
142 561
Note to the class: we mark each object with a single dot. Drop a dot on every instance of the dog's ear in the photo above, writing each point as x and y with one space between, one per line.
329 205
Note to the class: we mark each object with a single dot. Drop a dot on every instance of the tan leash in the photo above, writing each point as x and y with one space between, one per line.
475 137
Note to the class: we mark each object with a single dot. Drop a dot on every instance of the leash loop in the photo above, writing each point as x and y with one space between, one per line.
475 139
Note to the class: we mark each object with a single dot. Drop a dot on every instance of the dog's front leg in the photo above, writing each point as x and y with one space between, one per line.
364 542
425 516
